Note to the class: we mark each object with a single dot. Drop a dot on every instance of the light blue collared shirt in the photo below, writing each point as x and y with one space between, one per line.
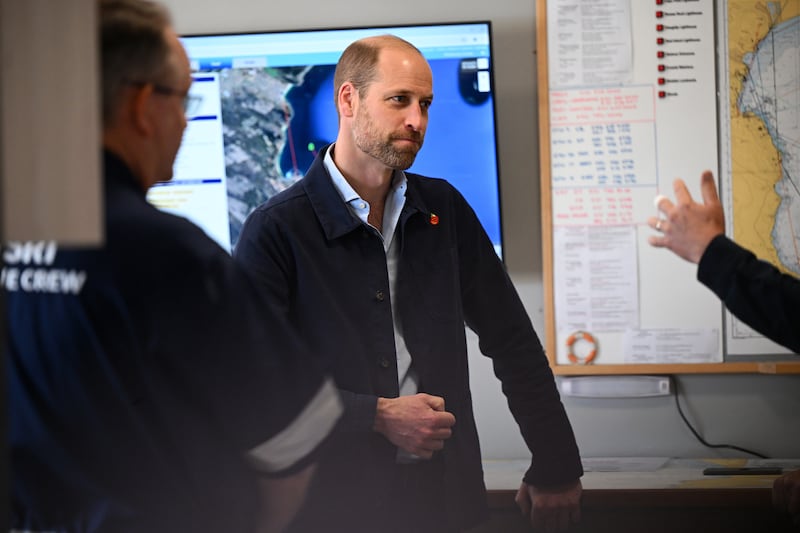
395 200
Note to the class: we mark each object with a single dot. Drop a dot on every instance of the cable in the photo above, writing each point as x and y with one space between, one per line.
697 435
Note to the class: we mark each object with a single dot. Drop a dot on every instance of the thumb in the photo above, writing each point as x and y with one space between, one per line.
523 501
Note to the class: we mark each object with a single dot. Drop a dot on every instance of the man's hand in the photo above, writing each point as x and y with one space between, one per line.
689 227
552 509
280 499
786 494
417 424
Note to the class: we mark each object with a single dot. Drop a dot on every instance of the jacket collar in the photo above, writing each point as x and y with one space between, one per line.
331 211
118 174
414 202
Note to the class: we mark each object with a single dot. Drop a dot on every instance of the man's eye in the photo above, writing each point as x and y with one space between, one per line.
426 104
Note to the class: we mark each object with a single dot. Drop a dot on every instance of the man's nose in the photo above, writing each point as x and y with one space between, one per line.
415 118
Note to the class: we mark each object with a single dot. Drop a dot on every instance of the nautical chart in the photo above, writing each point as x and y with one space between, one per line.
760 141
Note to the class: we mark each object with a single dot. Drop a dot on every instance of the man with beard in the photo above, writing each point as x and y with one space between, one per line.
380 270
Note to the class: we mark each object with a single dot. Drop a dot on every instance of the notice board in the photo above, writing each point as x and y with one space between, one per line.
635 94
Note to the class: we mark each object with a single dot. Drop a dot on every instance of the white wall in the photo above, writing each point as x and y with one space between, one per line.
50 122
757 412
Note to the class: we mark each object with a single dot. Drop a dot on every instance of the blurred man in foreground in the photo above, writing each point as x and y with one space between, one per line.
148 389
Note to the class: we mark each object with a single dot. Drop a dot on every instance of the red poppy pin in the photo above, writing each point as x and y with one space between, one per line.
434 219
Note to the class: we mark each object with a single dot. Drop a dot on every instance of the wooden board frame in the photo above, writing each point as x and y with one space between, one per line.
729 367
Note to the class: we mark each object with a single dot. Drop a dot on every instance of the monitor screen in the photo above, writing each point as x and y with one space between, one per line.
267 108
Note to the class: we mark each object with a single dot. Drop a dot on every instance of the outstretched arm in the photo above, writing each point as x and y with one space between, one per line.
755 291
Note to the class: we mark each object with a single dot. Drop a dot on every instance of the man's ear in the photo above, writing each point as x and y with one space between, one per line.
346 99
140 107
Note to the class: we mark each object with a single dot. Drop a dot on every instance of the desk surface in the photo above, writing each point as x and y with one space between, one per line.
651 480
658 495
644 473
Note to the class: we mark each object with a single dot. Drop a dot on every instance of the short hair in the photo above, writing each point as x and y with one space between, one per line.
133 48
358 63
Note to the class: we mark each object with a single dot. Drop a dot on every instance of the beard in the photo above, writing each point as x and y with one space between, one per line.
370 140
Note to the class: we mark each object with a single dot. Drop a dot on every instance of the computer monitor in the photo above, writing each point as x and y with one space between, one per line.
267 108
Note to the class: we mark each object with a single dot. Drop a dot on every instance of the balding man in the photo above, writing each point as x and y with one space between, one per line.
381 269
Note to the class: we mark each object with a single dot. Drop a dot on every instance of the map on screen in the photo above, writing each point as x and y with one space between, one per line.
268 108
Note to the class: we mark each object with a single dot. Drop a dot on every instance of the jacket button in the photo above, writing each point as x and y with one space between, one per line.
380 296
383 362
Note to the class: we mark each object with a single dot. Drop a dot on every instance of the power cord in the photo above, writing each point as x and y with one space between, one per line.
674 383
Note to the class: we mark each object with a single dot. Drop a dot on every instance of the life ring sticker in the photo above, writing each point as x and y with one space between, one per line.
581 336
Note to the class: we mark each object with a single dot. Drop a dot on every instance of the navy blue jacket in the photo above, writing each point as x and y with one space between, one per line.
327 272
139 374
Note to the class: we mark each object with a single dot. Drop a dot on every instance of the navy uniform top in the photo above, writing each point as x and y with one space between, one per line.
326 270
147 386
